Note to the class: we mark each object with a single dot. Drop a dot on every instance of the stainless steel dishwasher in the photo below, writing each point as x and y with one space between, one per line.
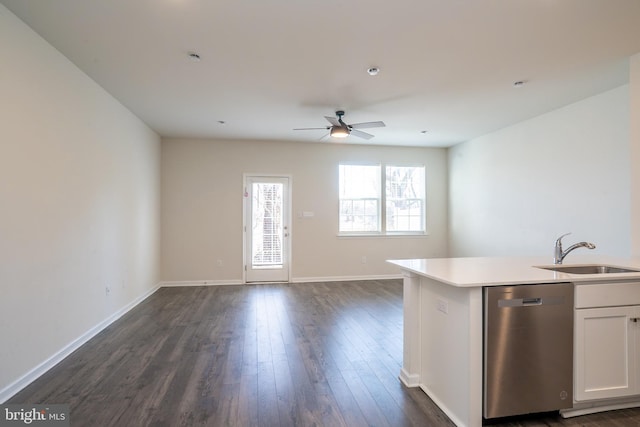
528 349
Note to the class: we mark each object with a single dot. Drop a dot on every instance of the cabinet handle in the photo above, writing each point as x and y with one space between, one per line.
634 319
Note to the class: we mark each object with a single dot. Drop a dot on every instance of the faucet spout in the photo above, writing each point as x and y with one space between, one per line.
560 254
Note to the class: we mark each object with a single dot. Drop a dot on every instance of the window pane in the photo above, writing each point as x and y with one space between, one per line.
405 198
359 198
347 214
359 181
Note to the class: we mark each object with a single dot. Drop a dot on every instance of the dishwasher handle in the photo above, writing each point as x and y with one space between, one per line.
531 301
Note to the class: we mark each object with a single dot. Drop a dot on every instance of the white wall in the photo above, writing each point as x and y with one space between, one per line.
202 208
79 204
514 191
634 138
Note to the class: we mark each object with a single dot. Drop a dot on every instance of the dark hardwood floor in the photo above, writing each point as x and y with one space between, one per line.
309 354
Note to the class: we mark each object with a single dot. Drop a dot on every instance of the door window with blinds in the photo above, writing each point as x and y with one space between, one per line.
382 199
267 215
267 227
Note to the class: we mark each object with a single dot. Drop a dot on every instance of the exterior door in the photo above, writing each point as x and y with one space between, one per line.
267 228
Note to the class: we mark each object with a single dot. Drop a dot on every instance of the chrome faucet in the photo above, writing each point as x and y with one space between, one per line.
559 254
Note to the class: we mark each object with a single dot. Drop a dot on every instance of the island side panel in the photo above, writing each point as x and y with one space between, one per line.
451 349
410 372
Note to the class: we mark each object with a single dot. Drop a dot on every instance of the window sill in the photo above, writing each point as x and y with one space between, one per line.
383 235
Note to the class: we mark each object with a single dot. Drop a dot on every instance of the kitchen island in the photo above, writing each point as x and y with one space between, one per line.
443 320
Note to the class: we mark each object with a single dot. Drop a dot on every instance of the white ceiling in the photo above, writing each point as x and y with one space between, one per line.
447 66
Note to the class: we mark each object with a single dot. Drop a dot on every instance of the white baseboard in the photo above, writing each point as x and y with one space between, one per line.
410 380
13 388
344 278
186 283
448 412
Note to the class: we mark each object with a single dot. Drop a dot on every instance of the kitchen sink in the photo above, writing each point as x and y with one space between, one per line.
589 269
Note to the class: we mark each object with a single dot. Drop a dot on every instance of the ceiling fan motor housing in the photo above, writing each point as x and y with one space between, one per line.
339 114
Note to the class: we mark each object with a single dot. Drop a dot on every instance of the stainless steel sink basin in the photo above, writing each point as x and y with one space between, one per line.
589 269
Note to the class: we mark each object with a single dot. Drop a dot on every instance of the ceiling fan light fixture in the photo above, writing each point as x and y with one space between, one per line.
339 131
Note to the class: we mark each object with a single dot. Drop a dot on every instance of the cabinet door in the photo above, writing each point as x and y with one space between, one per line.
605 352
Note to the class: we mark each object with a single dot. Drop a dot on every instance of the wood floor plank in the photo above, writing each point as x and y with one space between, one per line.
248 400
367 404
346 402
304 354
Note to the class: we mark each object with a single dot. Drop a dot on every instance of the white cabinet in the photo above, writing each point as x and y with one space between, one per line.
606 352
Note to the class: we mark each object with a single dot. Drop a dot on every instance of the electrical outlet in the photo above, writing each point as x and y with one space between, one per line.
364 259
107 290
219 262
442 305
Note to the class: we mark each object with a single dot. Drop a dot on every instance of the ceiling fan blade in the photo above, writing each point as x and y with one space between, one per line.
361 134
366 125
324 128
332 120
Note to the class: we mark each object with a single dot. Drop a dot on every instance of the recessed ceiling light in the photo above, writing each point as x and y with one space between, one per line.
194 56
373 71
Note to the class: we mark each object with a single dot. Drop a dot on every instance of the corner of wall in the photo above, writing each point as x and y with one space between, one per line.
634 146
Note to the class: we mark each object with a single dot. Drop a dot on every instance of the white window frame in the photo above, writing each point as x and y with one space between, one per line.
382 203
422 200
378 200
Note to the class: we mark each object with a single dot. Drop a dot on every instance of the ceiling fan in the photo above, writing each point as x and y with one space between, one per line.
340 129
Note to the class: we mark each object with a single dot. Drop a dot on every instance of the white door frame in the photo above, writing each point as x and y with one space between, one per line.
246 225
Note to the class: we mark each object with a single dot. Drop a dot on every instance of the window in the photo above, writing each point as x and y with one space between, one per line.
359 198
404 198
373 202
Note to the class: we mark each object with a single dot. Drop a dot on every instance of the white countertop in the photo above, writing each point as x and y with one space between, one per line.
495 271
